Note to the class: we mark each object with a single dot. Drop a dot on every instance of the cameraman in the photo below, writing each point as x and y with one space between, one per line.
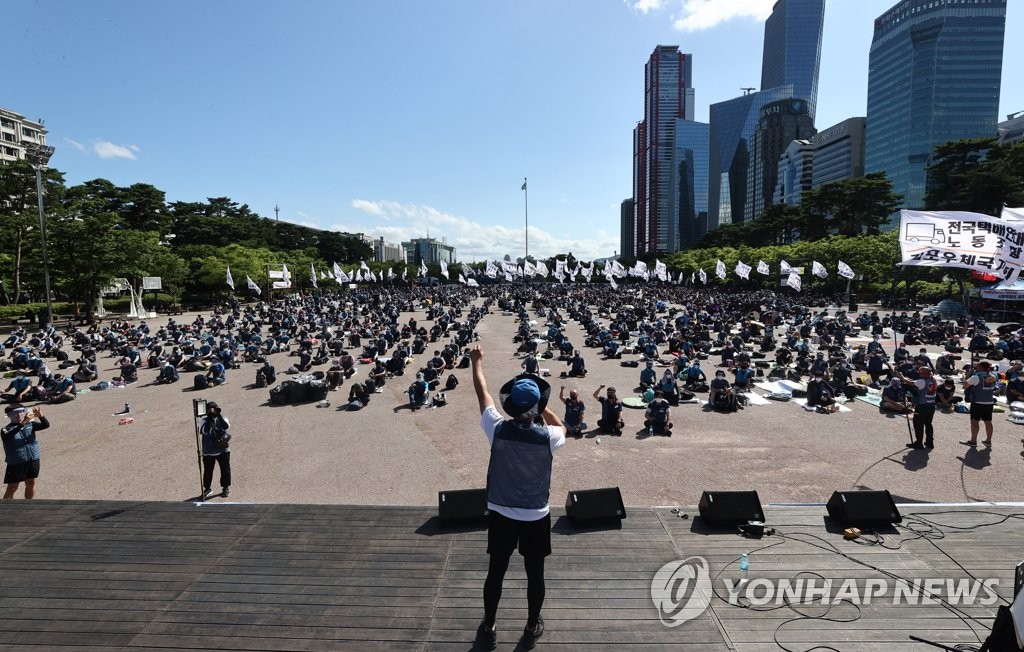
215 426
21 448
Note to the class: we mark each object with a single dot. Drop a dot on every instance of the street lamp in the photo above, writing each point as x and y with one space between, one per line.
38 156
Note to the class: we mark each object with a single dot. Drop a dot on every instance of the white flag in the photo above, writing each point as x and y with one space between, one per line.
793 281
363 266
818 269
660 269
611 280
743 270
423 268
252 284
230 281
844 270
692 275
784 267
703 277
322 275
338 274
529 269
720 269
508 277
391 273
491 270
542 269
462 278
444 269
405 273
285 276
762 268
312 274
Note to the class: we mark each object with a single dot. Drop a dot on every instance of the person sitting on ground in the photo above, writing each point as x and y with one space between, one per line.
894 398
335 375
358 397
86 373
379 374
577 366
695 380
877 368
721 396
1015 389
979 344
64 390
419 392
945 396
305 361
348 364
19 390
574 409
728 356
530 365
648 376
946 365
668 387
821 395
129 372
168 374
611 411
611 349
744 381
875 345
217 374
657 419
953 344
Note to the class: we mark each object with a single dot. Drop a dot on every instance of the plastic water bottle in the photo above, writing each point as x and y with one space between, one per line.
744 566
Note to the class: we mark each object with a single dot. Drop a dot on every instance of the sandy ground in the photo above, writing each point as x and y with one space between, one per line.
386 454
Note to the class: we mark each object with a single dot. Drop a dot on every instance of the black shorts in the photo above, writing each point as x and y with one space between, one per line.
981 412
21 472
533 538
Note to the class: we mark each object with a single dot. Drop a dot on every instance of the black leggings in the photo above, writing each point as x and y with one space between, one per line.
534 566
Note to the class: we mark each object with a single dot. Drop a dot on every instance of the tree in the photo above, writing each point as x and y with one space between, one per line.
849 207
19 215
977 175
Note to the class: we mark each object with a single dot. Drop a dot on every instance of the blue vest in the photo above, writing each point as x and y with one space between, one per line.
20 443
519 472
985 391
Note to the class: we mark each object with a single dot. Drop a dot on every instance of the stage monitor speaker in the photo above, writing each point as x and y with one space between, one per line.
461 505
726 507
857 508
595 505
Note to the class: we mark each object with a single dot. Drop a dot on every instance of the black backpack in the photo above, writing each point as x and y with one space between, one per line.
452 382
200 382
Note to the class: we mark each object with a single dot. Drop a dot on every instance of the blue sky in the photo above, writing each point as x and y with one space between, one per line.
400 119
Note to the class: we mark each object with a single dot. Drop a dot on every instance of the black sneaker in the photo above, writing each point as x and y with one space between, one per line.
206 494
487 639
916 445
226 492
529 640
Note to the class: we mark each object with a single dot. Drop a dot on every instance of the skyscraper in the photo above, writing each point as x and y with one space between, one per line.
627 229
690 167
792 48
933 76
778 124
668 96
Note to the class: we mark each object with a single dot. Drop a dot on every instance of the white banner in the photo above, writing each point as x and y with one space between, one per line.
784 267
818 269
793 281
720 269
762 268
743 270
961 239
844 270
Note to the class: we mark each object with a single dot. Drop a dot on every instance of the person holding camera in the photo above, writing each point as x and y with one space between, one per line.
518 489
216 449
21 448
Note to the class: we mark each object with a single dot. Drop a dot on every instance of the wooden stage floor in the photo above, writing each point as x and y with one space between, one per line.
119 575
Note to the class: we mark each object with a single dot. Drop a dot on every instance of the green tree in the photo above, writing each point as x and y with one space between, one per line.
978 175
19 218
849 207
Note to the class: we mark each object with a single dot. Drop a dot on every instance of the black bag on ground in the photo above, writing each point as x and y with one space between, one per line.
452 382
317 390
200 382
279 394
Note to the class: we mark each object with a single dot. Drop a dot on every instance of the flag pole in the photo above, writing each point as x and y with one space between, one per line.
526 216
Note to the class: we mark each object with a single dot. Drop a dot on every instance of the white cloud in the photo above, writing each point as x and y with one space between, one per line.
645 6
134 148
74 143
107 149
473 240
699 15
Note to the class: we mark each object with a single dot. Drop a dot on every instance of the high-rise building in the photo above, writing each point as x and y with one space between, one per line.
839 152
1011 130
627 229
15 131
668 96
796 165
792 48
933 76
639 185
690 166
731 135
429 251
778 124
388 252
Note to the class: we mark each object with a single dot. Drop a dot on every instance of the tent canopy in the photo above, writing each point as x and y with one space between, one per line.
1005 291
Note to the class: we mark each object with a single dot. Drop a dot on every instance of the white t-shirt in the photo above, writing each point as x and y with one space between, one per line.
489 420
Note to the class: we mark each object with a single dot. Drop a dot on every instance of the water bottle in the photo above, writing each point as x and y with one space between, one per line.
744 565
127 409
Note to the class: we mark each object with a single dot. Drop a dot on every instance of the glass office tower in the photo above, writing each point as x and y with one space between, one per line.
792 48
933 76
690 167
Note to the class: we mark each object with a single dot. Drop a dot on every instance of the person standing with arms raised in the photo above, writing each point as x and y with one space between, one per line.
518 489
21 449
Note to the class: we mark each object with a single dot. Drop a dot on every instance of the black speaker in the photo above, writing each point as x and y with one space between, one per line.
725 507
595 505
858 508
461 505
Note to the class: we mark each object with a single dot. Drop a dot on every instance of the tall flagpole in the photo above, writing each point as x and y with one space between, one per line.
526 215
